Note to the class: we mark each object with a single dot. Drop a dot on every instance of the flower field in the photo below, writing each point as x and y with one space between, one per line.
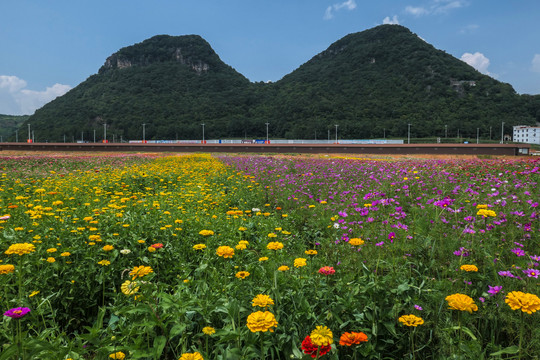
252 257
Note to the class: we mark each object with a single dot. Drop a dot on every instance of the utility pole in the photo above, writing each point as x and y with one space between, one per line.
336 133
267 132
408 133
94 135
445 131
477 135
104 132
17 135
143 133
502 133
29 135
202 133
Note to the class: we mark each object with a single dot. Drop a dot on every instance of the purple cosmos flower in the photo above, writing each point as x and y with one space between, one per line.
506 274
379 243
391 236
481 299
418 307
518 251
532 273
17 313
494 290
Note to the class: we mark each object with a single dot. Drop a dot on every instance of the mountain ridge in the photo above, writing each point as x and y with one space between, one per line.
371 82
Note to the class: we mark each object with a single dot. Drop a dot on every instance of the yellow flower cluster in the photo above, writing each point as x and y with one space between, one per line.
274 245
20 249
242 274
469 268
206 232
356 241
225 252
461 302
486 213
525 302
411 320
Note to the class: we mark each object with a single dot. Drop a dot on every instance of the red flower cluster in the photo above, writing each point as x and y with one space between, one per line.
157 245
311 349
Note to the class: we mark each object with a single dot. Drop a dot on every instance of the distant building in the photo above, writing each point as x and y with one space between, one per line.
527 134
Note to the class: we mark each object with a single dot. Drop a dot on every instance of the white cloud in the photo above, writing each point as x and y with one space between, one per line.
416 11
11 83
477 61
536 63
391 21
435 7
15 99
347 5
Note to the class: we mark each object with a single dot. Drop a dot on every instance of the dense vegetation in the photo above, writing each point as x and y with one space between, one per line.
9 125
370 83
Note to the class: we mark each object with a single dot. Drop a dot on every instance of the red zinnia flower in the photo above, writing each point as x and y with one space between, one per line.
327 270
311 349
157 246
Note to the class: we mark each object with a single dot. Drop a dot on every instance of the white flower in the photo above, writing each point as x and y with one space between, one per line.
125 251
336 226
255 210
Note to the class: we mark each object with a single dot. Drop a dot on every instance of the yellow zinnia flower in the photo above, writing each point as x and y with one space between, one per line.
107 248
208 330
261 321
242 274
140 271
118 355
262 301
322 336
283 268
528 303
461 302
129 287
411 320
299 262
191 356
199 247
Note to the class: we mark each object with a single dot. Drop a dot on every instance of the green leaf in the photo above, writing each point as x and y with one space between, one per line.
159 345
508 350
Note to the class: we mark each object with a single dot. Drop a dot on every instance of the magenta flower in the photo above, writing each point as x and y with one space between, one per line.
494 290
17 313
391 236
518 251
532 273
418 307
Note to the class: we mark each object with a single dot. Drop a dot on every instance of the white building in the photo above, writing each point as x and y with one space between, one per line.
527 134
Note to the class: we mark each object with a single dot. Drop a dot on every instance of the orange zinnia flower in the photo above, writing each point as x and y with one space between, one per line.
352 338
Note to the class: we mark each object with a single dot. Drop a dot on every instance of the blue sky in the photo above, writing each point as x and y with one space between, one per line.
50 46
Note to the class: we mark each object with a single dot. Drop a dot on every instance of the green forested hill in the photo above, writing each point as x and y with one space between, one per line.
381 78
9 125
